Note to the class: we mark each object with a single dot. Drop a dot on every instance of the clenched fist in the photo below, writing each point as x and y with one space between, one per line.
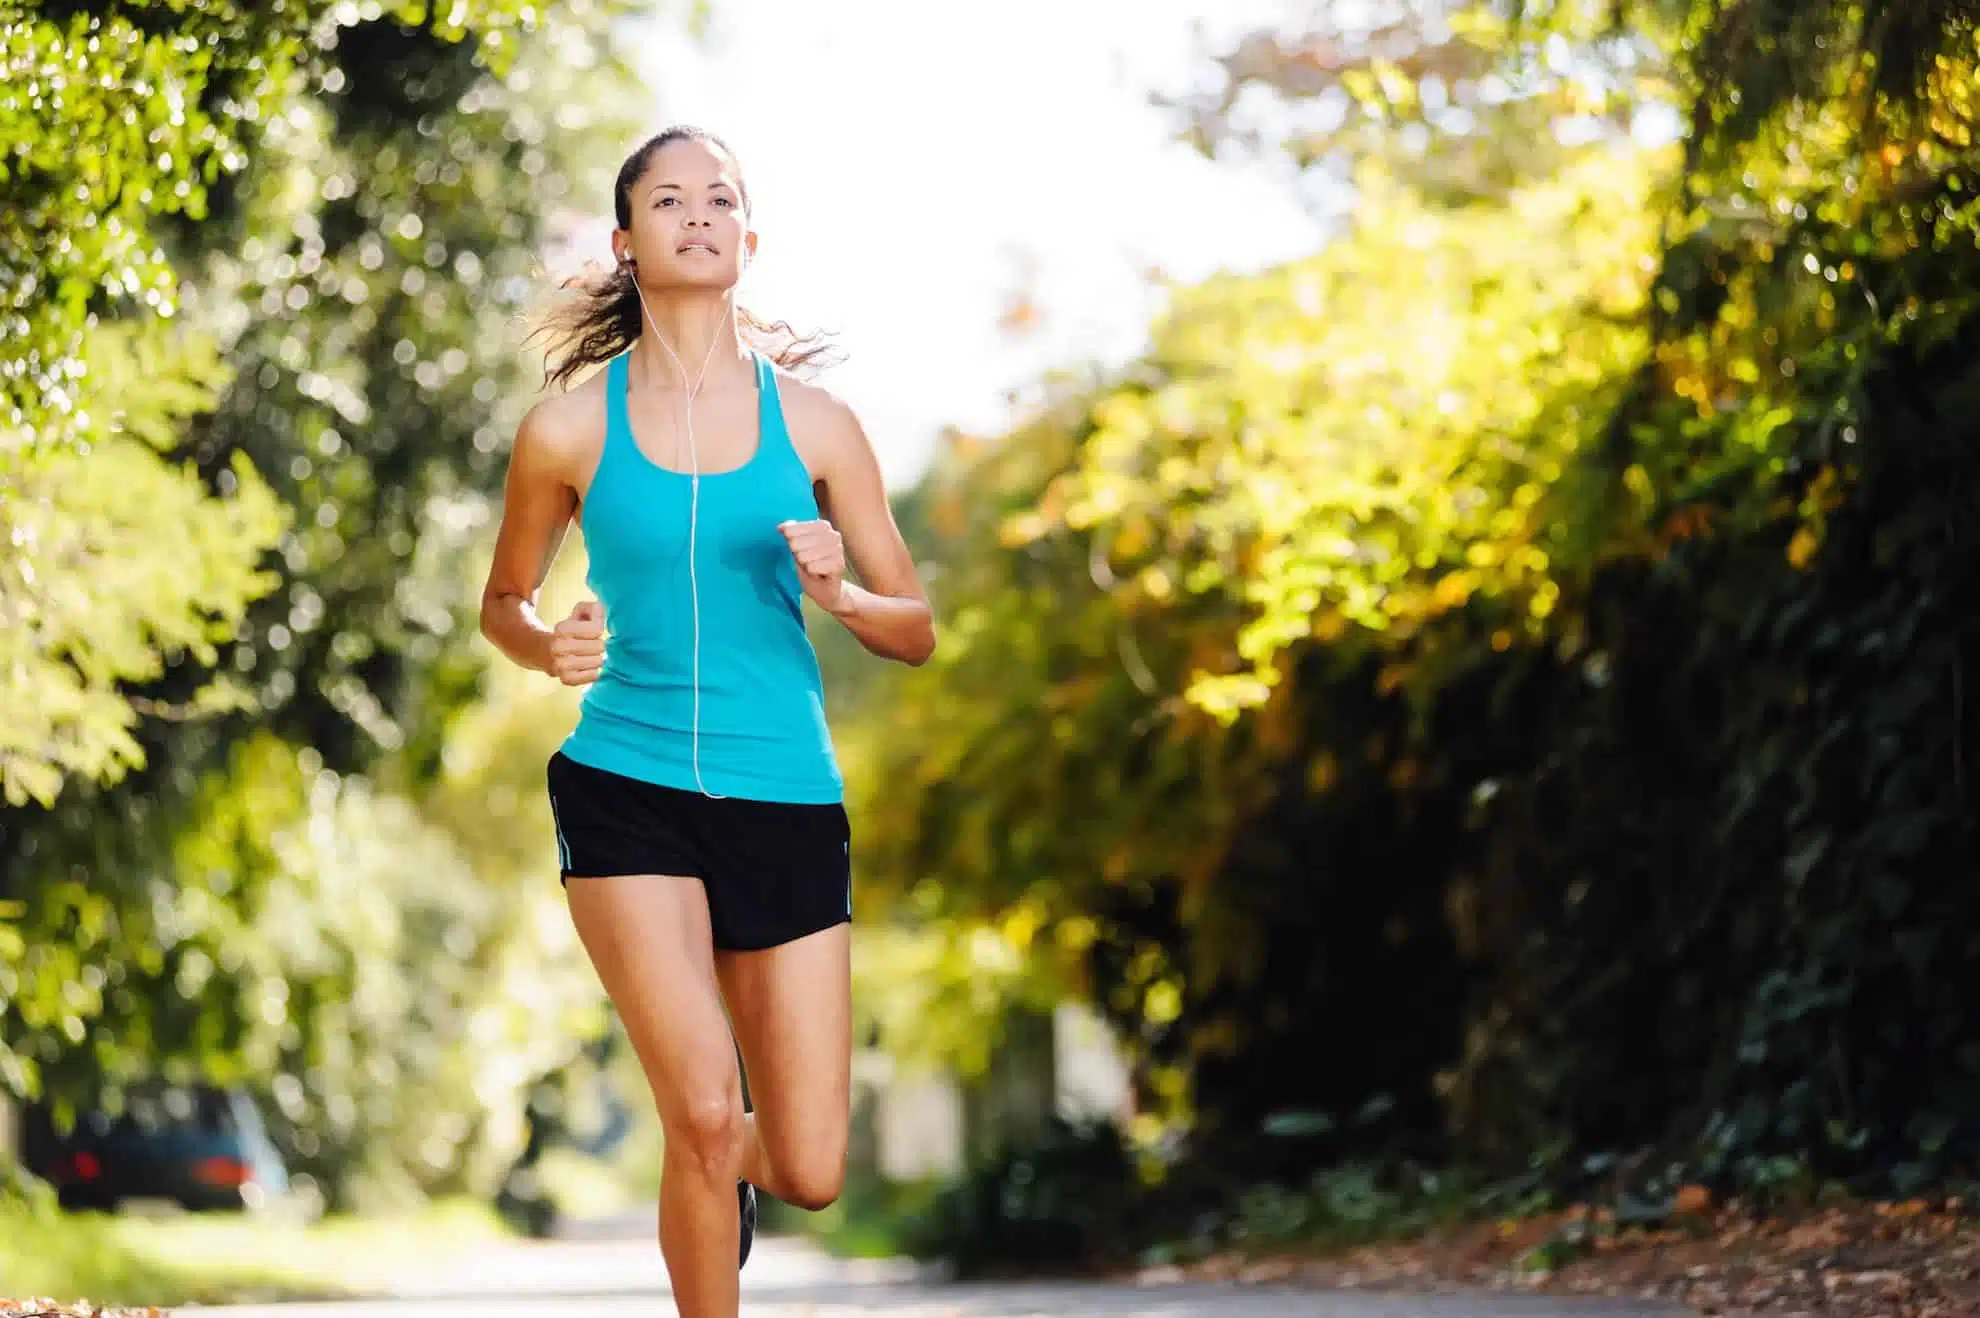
820 556
577 645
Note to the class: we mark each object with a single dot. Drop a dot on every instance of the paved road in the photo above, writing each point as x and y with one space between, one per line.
617 1275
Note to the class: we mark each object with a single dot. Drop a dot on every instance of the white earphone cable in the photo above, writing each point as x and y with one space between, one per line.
694 517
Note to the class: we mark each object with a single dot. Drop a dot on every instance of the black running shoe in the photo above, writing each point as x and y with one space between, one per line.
746 1206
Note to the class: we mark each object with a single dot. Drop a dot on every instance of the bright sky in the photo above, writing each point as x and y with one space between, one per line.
911 163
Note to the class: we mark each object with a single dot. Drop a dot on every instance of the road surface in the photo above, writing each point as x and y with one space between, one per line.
616 1274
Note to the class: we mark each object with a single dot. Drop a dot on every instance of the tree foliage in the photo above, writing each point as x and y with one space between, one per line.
121 116
96 599
1511 655
1310 453
265 861
128 128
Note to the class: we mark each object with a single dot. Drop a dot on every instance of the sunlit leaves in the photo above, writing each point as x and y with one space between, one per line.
1643 479
268 504
937 992
1370 437
114 122
108 128
118 562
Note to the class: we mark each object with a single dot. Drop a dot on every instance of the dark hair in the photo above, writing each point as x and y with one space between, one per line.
602 318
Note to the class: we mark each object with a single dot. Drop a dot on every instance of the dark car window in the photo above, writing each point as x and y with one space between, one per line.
176 1111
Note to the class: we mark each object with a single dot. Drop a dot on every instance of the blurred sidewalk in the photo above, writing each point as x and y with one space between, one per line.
611 1269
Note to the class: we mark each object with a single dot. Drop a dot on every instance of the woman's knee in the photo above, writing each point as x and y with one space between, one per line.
811 1179
708 1131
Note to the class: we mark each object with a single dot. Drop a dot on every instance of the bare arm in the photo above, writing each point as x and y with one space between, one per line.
889 612
537 504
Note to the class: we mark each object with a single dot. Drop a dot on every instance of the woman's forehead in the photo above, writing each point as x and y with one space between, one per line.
691 160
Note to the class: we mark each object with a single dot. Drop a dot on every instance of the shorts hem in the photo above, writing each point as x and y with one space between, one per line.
569 874
778 940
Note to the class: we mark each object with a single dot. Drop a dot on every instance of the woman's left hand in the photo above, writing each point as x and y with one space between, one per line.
820 554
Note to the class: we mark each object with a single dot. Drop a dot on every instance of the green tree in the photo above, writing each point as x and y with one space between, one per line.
122 116
121 560
356 279
1312 452
128 126
1511 654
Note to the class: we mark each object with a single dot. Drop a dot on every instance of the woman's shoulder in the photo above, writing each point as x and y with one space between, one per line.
574 413
566 426
811 404
824 428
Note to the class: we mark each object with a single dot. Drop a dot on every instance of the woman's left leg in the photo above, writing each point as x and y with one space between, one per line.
791 1009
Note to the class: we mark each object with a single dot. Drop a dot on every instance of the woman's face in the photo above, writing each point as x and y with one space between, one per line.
689 230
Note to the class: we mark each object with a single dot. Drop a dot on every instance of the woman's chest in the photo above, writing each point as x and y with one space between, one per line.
731 522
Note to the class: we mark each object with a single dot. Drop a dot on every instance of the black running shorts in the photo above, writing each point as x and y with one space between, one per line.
774 871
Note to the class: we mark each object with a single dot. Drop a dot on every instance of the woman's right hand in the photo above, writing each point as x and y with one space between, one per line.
577 645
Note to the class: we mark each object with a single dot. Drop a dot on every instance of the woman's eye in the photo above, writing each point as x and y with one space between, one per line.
723 201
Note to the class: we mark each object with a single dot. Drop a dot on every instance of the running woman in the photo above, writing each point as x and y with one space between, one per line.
701 829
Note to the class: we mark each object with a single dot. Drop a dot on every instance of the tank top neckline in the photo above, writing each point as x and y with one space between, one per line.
619 431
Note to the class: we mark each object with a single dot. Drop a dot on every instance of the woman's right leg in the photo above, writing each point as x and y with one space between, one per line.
649 938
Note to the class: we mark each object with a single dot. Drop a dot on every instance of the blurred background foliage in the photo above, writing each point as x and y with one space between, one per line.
1489 696
1493 695
262 365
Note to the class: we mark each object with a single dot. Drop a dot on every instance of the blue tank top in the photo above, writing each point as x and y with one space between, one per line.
763 734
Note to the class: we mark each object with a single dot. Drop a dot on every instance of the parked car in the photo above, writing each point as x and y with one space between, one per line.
199 1146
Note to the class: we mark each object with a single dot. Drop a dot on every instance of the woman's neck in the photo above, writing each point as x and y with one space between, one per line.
688 342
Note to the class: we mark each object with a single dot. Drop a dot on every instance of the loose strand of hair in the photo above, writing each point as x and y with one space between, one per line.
597 320
790 349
